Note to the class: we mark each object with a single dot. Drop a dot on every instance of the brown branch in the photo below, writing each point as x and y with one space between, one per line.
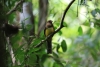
14 8
61 24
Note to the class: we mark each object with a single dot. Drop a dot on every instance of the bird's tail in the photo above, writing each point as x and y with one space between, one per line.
49 46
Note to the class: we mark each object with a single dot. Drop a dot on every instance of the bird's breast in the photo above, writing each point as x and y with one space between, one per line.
49 31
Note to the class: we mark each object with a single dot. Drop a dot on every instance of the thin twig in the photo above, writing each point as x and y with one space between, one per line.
61 25
14 8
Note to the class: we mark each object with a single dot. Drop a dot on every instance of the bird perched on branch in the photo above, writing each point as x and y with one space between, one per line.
49 29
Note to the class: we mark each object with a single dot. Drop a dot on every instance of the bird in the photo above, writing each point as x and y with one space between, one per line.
49 29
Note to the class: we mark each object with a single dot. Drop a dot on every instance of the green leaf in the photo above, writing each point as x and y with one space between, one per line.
11 18
55 55
56 65
32 50
29 27
94 54
93 12
64 46
20 55
65 24
44 57
80 30
32 60
60 32
68 65
83 2
58 46
36 41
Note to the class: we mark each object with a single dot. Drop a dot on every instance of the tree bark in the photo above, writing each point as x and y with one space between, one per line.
43 11
3 52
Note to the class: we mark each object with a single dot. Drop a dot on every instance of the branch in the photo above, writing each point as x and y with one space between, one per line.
14 8
61 25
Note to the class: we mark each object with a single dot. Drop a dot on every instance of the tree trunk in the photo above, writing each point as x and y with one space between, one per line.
3 53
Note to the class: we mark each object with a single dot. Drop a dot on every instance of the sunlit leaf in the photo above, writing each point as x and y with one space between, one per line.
80 30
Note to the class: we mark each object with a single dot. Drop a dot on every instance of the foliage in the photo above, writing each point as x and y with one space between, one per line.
75 45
